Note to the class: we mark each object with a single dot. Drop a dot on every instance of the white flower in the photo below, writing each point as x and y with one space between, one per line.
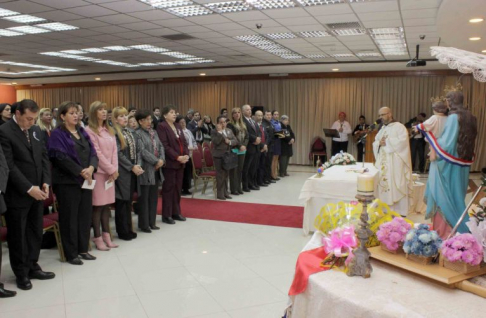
482 202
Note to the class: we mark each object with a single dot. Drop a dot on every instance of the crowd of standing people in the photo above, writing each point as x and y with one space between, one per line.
102 158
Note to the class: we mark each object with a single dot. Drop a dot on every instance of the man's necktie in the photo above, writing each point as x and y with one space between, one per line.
26 132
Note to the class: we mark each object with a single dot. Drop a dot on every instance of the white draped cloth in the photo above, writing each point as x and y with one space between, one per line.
394 163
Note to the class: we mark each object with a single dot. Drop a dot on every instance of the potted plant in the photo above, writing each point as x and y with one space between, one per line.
392 234
462 253
421 244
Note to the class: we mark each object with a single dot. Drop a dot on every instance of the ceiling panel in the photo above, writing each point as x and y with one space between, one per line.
118 19
337 18
378 16
58 15
24 6
61 4
91 11
362 7
126 6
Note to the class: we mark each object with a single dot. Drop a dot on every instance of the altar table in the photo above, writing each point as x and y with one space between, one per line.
389 292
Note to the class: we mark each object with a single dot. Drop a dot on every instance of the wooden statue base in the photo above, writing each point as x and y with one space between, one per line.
434 272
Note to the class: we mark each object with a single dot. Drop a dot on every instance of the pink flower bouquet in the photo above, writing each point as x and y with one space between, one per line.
393 233
462 248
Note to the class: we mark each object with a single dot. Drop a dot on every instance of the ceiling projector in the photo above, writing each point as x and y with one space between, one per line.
416 61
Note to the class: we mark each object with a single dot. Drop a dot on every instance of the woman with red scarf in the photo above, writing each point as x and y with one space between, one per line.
176 156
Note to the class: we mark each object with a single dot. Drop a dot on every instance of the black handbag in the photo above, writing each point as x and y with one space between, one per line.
230 160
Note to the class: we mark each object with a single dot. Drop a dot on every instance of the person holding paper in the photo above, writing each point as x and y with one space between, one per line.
129 161
393 160
28 185
238 128
344 129
103 138
74 161
191 145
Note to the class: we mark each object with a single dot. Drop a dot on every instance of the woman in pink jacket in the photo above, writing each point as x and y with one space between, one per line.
103 139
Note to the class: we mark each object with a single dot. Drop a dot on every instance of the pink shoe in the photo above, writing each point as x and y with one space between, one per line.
100 245
107 240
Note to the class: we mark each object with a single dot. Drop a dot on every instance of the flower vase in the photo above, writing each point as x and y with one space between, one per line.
420 259
459 266
399 250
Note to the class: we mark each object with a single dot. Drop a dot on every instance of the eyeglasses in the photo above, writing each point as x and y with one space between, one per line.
381 115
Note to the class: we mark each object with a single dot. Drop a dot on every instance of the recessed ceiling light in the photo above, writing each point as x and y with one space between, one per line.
281 36
117 48
95 50
476 20
476 38
202 74
6 13
228 6
162 4
14 83
24 18
97 79
335 69
29 29
57 26
314 34
483 51
342 55
271 4
74 52
9 33
190 11
316 56
345 32
308 3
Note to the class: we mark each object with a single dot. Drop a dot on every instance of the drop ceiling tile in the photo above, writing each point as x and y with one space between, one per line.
117 19
225 26
296 21
337 18
353 39
378 16
361 7
58 16
191 29
272 30
286 13
127 6
419 22
104 37
110 29
308 27
91 11
140 26
419 14
87 23
160 32
382 24
246 16
209 19
61 4
208 35
152 15
419 4
168 23
362 47
83 32
131 35
342 8
430 28
235 32
25 7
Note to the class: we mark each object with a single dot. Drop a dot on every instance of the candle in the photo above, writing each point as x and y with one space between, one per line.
366 184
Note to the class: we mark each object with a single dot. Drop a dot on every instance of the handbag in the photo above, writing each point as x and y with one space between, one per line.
230 160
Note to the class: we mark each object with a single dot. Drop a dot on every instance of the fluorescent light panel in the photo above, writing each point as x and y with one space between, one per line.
252 37
9 33
309 3
27 29
74 52
228 6
190 11
390 41
95 50
314 34
368 54
346 32
6 13
281 36
24 18
57 26
117 48
162 4
272 4
338 55
316 56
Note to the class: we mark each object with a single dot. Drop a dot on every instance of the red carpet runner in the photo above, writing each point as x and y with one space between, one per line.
264 214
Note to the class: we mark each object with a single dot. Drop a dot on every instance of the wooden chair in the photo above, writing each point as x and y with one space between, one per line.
199 174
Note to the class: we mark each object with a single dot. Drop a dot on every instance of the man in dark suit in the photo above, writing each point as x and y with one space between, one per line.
4 293
259 173
251 151
28 185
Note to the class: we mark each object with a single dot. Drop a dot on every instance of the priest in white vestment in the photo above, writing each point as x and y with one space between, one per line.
393 161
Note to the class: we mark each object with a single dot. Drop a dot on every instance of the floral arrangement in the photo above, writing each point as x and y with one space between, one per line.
393 233
422 241
340 159
339 244
477 224
462 247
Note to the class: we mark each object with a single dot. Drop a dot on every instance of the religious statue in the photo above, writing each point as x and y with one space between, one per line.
449 169
393 161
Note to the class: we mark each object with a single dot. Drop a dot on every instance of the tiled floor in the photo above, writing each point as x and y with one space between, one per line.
197 268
